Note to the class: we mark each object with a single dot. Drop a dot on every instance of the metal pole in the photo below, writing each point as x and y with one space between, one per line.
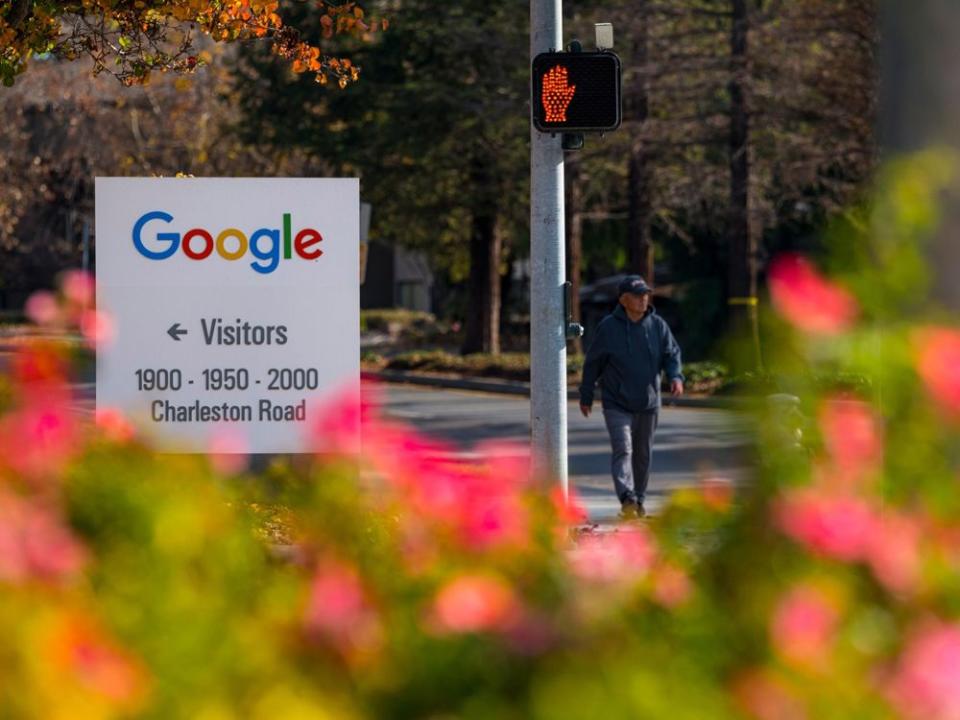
548 345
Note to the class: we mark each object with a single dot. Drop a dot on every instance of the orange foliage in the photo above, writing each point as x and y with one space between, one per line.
132 43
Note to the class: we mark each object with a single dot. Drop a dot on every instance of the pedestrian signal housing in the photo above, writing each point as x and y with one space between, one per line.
576 92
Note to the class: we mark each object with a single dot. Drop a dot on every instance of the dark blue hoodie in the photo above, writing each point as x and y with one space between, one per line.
628 357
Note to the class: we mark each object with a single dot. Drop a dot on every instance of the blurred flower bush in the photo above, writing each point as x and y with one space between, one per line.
402 582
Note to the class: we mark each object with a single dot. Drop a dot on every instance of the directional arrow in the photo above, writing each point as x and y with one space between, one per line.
175 331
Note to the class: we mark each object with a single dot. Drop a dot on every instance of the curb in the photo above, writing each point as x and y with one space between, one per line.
502 387
515 387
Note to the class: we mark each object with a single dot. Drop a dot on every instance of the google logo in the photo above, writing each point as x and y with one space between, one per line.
265 244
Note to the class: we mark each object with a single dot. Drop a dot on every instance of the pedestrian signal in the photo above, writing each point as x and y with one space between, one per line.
576 92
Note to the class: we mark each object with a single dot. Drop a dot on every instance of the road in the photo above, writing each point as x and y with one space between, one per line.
690 443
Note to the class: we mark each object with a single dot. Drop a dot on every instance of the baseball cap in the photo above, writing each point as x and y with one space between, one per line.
633 284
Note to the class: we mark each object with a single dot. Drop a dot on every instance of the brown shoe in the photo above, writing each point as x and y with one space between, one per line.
630 510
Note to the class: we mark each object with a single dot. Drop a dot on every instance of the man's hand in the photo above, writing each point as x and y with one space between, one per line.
585 410
676 387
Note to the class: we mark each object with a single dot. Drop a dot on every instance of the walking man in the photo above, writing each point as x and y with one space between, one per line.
629 350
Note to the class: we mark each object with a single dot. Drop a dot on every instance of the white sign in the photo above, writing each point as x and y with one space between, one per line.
235 305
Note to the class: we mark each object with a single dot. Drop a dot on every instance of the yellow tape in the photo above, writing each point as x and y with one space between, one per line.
751 301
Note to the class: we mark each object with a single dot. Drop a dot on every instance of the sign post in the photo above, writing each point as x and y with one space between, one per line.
570 92
235 306
548 342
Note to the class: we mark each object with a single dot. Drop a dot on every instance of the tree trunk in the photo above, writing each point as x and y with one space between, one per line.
741 244
574 223
482 332
19 9
640 246
639 211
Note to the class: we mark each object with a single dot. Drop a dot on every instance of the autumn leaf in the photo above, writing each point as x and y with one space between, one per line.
133 40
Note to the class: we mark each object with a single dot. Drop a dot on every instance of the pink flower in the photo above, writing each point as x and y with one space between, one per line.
808 300
893 552
38 439
34 545
926 683
938 364
852 438
803 626
78 288
39 365
43 309
114 425
478 500
569 510
228 451
339 610
625 556
495 513
671 586
507 461
442 490
335 421
474 603
494 517
431 478
834 525
97 327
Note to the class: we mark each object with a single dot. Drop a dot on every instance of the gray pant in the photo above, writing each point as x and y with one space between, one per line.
631 438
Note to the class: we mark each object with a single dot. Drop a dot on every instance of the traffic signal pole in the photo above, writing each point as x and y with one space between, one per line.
548 344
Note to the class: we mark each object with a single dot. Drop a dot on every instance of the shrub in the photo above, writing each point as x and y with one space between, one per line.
808 384
372 358
512 366
704 377
395 320
417 584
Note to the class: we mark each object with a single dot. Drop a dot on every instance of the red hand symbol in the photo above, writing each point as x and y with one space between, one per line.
556 94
